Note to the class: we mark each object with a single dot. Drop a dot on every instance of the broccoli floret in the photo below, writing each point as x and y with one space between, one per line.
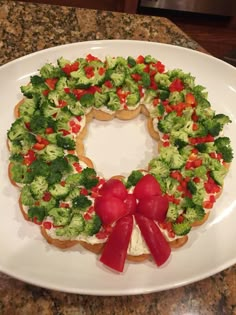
17 130
100 99
39 168
171 122
59 191
179 138
194 214
48 205
61 84
88 178
158 111
75 227
74 192
171 185
117 78
50 71
114 101
172 212
219 175
16 157
223 146
60 164
38 123
99 72
138 68
146 81
61 216
150 59
200 172
27 109
87 100
73 179
133 99
133 178
186 78
149 96
38 187
199 196
182 228
93 225
75 108
131 61
62 62
54 178
51 152
185 151
26 196
206 147
37 212
81 202
162 79
213 126
36 80
48 109
65 142
203 109
192 187
171 156
131 85
19 173
71 158
35 87
159 168
163 94
176 97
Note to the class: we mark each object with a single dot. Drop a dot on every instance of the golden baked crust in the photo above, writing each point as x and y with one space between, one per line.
125 114
100 115
153 133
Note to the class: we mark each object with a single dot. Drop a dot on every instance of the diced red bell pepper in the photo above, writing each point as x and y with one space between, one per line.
51 83
176 85
115 249
156 242
29 157
140 59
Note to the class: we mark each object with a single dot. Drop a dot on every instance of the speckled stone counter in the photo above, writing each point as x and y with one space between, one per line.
26 28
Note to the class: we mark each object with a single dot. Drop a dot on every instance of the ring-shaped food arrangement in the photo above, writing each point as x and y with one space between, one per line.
138 217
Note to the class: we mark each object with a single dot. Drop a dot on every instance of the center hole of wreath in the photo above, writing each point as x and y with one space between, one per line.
118 147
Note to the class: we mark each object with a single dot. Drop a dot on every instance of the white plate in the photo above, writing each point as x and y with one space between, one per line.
211 247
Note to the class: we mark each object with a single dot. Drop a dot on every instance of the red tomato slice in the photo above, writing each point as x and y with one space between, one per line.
114 187
130 204
154 207
147 186
156 242
109 209
115 249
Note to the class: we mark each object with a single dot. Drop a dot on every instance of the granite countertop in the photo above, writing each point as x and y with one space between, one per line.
26 28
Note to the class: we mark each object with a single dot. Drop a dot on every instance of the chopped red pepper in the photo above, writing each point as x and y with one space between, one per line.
47 225
49 130
140 59
176 85
47 196
90 57
51 83
29 157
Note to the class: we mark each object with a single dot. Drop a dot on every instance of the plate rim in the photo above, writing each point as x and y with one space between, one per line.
130 291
